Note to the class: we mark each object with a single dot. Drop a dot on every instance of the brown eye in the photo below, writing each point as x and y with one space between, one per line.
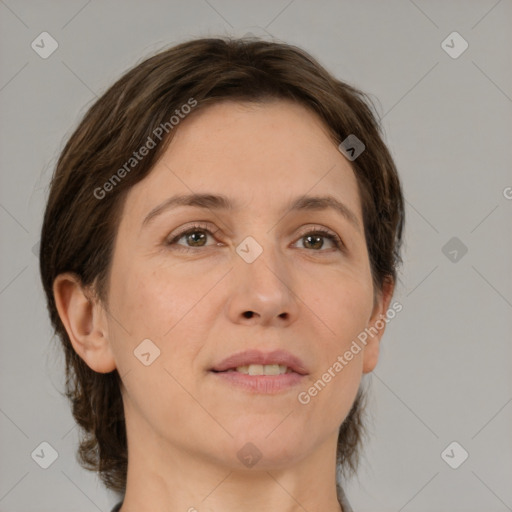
194 237
314 240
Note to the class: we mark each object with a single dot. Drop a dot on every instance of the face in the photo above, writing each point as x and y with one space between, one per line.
204 283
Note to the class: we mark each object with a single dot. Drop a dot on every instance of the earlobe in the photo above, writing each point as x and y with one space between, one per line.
377 326
84 321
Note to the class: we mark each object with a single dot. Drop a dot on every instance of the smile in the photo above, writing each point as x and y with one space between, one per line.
262 369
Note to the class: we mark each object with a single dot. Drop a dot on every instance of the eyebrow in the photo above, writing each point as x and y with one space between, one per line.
221 202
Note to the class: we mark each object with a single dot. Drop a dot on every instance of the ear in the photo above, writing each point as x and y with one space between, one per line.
377 325
85 322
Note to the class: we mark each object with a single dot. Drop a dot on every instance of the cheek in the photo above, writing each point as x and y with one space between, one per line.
334 384
149 300
340 301
155 304
163 304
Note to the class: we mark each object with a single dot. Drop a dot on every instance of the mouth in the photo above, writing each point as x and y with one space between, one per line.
259 372
261 369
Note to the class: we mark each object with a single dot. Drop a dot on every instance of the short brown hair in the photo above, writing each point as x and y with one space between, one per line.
79 230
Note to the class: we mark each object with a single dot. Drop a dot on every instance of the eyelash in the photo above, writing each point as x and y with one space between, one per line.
336 240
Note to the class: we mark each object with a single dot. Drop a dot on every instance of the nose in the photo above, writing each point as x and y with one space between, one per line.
262 291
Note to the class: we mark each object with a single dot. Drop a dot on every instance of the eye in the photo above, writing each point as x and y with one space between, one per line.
196 236
313 239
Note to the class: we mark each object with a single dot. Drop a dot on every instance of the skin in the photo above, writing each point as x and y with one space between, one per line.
185 425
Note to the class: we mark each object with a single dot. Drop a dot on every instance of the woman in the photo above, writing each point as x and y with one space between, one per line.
219 254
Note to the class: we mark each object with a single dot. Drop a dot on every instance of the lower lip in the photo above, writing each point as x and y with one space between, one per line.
264 384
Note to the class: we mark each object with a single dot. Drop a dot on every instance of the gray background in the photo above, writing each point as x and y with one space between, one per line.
444 373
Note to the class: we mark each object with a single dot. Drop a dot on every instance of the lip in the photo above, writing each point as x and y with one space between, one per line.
248 357
262 384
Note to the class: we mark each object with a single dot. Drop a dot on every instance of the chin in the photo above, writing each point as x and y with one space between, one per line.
265 447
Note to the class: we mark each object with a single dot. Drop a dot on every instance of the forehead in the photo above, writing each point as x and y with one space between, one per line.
263 154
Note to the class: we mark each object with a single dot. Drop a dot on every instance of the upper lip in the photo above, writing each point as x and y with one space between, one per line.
249 357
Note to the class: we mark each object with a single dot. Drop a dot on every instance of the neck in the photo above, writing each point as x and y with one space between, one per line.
162 477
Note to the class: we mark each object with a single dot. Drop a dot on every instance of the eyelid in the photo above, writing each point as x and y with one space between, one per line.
199 225
205 226
328 233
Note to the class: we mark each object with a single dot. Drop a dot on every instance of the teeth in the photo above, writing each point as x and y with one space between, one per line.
263 369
